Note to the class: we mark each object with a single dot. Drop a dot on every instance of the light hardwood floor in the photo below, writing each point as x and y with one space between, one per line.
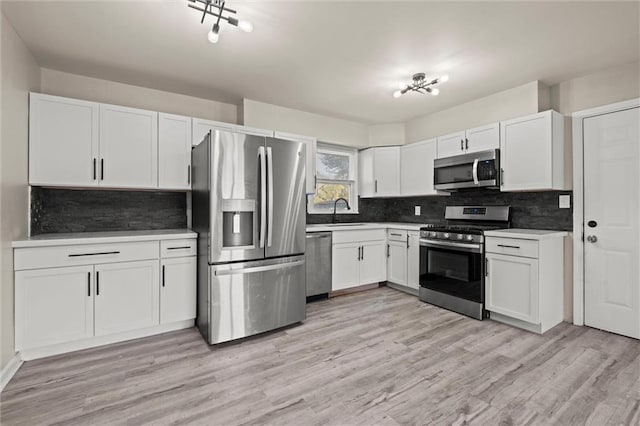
377 357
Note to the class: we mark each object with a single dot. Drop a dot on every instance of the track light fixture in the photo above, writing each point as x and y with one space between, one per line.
217 9
421 84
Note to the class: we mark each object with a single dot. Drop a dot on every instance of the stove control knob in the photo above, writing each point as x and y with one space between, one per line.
433 234
460 236
445 235
469 237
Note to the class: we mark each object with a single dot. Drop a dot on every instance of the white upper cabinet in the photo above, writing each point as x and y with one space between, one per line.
482 138
416 168
310 148
174 151
532 152
253 131
451 144
63 141
128 147
201 127
379 171
471 140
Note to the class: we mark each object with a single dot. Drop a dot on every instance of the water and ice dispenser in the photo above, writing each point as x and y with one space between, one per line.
239 221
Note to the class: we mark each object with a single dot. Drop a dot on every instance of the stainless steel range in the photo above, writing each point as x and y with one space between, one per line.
452 258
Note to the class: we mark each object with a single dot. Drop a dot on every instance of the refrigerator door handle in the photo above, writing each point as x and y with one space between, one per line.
270 195
263 195
254 269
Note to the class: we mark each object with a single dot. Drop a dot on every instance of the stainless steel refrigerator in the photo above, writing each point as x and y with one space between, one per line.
248 207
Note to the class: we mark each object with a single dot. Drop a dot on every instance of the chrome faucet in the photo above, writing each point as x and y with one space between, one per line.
335 204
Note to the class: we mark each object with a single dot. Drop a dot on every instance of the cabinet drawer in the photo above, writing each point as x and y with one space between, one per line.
177 248
84 254
359 236
512 246
397 235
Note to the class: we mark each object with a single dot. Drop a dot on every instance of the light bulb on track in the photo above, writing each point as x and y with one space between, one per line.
245 26
435 91
397 93
214 35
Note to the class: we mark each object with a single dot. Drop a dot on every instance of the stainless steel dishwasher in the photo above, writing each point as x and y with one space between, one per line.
318 259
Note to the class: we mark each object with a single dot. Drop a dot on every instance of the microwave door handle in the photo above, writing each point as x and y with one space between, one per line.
475 171
263 195
270 195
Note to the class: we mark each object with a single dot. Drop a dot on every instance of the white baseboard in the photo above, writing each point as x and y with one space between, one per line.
35 353
10 370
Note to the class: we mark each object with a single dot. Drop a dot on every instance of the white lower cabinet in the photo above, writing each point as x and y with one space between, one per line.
359 258
512 286
403 258
524 281
101 293
126 296
53 305
178 289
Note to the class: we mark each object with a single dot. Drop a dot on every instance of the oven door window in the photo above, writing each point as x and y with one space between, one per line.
454 174
453 272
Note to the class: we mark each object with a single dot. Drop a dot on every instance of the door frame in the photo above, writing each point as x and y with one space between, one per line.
578 197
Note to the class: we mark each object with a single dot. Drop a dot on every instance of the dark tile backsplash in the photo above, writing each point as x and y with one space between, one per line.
532 210
67 210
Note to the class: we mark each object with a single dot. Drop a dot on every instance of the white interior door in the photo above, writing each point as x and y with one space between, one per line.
612 186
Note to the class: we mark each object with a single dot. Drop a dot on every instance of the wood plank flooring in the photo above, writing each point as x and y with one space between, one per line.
377 357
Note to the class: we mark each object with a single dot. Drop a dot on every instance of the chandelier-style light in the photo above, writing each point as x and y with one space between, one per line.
217 9
421 84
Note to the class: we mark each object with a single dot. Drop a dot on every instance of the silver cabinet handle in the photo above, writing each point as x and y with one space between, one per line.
189 174
592 239
388 250
89 284
162 275
179 248
94 169
376 186
97 283
507 246
102 169
466 143
461 145
407 241
396 235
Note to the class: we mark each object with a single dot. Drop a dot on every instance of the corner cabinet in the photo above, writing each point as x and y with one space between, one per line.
359 258
416 168
525 281
310 148
379 172
63 141
532 152
77 296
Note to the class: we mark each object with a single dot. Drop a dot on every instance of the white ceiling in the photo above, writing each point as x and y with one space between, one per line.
342 59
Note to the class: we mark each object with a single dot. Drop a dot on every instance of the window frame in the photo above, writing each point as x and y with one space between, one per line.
352 153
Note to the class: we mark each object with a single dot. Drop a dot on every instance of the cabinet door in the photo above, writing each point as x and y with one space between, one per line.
512 286
483 138
366 177
63 141
413 261
254 131
386 164
53 305
373 265
450 145
345 266
526 154
416 168
174 151
127 296
128 147
178 289
201 127
397 262
311 146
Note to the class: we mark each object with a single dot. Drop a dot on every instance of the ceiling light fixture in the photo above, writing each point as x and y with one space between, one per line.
217 9
421 84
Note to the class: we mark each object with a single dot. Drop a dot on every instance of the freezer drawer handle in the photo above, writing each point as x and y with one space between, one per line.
94 254
251 270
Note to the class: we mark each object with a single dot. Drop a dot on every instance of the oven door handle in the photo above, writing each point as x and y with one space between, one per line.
475 171
472 248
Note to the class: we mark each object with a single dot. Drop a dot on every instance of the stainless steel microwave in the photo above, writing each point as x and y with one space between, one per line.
466 171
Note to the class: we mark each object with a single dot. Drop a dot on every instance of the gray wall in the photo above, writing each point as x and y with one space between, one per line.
67 210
